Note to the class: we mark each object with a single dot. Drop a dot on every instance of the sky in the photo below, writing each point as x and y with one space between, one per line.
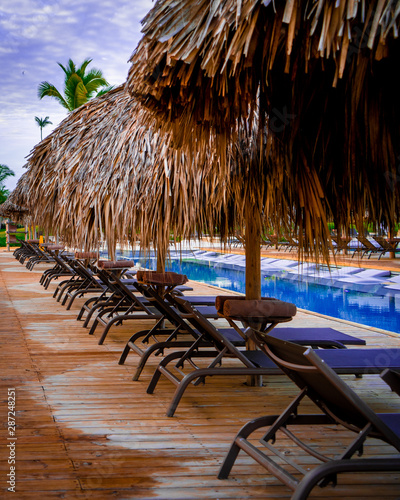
37 34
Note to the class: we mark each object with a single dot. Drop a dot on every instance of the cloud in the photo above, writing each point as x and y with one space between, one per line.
36 34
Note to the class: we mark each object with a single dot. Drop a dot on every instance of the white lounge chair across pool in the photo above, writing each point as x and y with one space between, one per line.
366 277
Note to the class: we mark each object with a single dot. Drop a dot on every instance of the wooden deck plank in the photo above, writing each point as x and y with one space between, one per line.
86 430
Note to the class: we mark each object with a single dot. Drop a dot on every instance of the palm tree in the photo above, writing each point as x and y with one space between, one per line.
4 173
79 86
42 122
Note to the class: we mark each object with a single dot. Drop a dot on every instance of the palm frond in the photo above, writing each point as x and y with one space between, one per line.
93 85
82 69
47 89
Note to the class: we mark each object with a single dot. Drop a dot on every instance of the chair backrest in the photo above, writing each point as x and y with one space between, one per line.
368 244
63 263
324 387
384 243
117 285
207 329
164 308
81 270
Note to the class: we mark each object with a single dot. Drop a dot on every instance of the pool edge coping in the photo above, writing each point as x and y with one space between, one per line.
305 311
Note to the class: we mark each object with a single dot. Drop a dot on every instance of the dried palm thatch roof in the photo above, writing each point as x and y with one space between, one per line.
97 172
15 206
12 211
320 73
219 52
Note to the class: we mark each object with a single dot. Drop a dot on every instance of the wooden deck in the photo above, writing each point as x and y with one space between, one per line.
86 430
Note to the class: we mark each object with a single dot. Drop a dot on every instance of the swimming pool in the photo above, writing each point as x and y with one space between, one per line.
372 308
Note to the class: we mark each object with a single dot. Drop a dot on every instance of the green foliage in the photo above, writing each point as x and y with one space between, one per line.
79 86
4 173
3 238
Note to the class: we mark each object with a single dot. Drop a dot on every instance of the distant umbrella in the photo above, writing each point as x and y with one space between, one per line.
15 206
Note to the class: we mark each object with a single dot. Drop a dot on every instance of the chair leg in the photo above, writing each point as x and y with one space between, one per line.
336 466
124 354
130 345
99 319
244 433
93 309
107 328
160 346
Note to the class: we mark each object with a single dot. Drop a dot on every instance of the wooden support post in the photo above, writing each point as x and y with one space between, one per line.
161 256
392 255
253 269
7 237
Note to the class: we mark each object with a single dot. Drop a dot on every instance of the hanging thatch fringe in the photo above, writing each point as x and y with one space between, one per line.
320 73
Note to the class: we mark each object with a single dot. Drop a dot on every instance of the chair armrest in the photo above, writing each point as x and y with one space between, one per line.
392 378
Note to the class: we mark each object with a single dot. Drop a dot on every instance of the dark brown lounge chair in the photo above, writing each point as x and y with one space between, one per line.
339 406
251 362
157 340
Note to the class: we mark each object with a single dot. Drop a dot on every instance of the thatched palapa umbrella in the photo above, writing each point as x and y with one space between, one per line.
95 171
15 206
318 74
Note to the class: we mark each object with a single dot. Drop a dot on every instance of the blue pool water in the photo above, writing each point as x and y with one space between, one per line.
380 310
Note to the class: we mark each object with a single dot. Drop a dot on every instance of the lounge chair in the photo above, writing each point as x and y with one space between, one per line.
293 243
206 256
386 244
158 339
333 274
346 244
355 246
26 250
110 299
121 305
280 265
253 362
134 307
268 260
393 283
370 248
231 262
394 278
392 378
340 244
337 405
60 269
79 276
366 277
302 268
139 342
196 253
226 257
278 242
87 282
39 256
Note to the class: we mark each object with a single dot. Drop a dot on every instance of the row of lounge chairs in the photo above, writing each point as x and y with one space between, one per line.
194 348
358 245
